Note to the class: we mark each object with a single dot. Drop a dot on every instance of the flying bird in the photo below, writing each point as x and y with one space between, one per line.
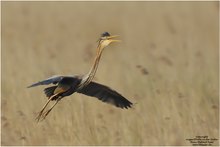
67 85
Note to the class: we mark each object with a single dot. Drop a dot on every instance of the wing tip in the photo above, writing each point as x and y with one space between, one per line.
33 85
29 86
127 106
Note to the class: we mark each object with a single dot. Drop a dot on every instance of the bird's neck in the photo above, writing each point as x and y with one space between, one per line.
95 65
90 75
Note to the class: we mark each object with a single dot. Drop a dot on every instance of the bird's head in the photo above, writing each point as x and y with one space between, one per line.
107 39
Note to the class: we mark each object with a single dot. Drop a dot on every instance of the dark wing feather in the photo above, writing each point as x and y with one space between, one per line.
49 91
51 80
105 94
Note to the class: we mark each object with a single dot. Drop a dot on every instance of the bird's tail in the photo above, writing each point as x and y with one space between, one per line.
49 91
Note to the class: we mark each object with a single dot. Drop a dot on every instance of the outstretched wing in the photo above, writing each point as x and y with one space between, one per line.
51 80
105 94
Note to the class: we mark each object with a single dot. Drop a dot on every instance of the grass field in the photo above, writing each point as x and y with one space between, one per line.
167 64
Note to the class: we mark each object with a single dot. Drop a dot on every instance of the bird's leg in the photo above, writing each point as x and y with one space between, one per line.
48 111
40 113
42 110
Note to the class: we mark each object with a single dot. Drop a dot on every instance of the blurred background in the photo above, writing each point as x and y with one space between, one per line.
167 64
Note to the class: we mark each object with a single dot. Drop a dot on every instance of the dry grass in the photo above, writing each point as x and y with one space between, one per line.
167 64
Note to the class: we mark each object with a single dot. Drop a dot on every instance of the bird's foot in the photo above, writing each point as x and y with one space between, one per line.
45 114
38 118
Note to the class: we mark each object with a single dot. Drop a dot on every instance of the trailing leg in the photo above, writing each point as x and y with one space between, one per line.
42 110
48 111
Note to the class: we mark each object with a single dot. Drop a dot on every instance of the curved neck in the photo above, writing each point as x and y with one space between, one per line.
90 75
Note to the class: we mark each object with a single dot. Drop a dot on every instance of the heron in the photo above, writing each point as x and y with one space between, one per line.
67 85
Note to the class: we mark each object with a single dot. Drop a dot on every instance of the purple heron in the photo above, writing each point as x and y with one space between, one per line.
67 85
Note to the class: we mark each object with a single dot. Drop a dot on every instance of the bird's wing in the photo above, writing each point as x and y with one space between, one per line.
105 94
51 80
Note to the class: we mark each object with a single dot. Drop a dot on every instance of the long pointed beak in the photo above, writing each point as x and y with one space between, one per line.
111 38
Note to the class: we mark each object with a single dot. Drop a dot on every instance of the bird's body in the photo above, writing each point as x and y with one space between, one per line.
67 85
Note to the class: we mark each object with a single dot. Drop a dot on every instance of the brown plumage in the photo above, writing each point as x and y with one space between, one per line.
67 85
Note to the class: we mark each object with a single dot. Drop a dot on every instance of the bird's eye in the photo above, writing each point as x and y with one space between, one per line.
105 34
